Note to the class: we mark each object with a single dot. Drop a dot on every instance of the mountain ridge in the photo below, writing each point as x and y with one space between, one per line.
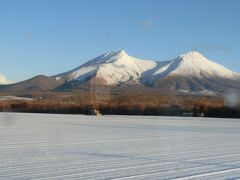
187 73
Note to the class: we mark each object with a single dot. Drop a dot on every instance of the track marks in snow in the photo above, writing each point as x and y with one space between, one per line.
38 146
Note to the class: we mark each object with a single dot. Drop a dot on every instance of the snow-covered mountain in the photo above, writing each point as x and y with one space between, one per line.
111 69
193 73
193 64
4 80
188 73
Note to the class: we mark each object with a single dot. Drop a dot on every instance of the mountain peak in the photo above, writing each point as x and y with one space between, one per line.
114 56
117 68
109 57
121 53
190 72
192 55
194 64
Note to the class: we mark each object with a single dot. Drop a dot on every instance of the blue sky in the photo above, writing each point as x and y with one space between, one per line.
53 36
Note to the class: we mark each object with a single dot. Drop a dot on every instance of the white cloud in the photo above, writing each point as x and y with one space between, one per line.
4 80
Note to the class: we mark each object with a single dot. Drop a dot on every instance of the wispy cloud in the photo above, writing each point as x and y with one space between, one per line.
146 25
211 47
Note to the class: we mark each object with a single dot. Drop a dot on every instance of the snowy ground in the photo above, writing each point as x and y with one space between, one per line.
38 146
15 98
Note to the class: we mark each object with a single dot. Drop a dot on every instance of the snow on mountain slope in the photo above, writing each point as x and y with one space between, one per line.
193 73
196 63
113 68
3 80
190 73
117 68
193 64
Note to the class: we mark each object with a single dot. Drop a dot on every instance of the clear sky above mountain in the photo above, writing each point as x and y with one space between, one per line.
53 36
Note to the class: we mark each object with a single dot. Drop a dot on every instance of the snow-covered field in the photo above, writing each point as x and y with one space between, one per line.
38 146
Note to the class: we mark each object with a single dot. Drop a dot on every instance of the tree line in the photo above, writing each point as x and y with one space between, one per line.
126 104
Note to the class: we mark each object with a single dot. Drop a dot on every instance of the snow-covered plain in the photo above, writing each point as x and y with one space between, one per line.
39 146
